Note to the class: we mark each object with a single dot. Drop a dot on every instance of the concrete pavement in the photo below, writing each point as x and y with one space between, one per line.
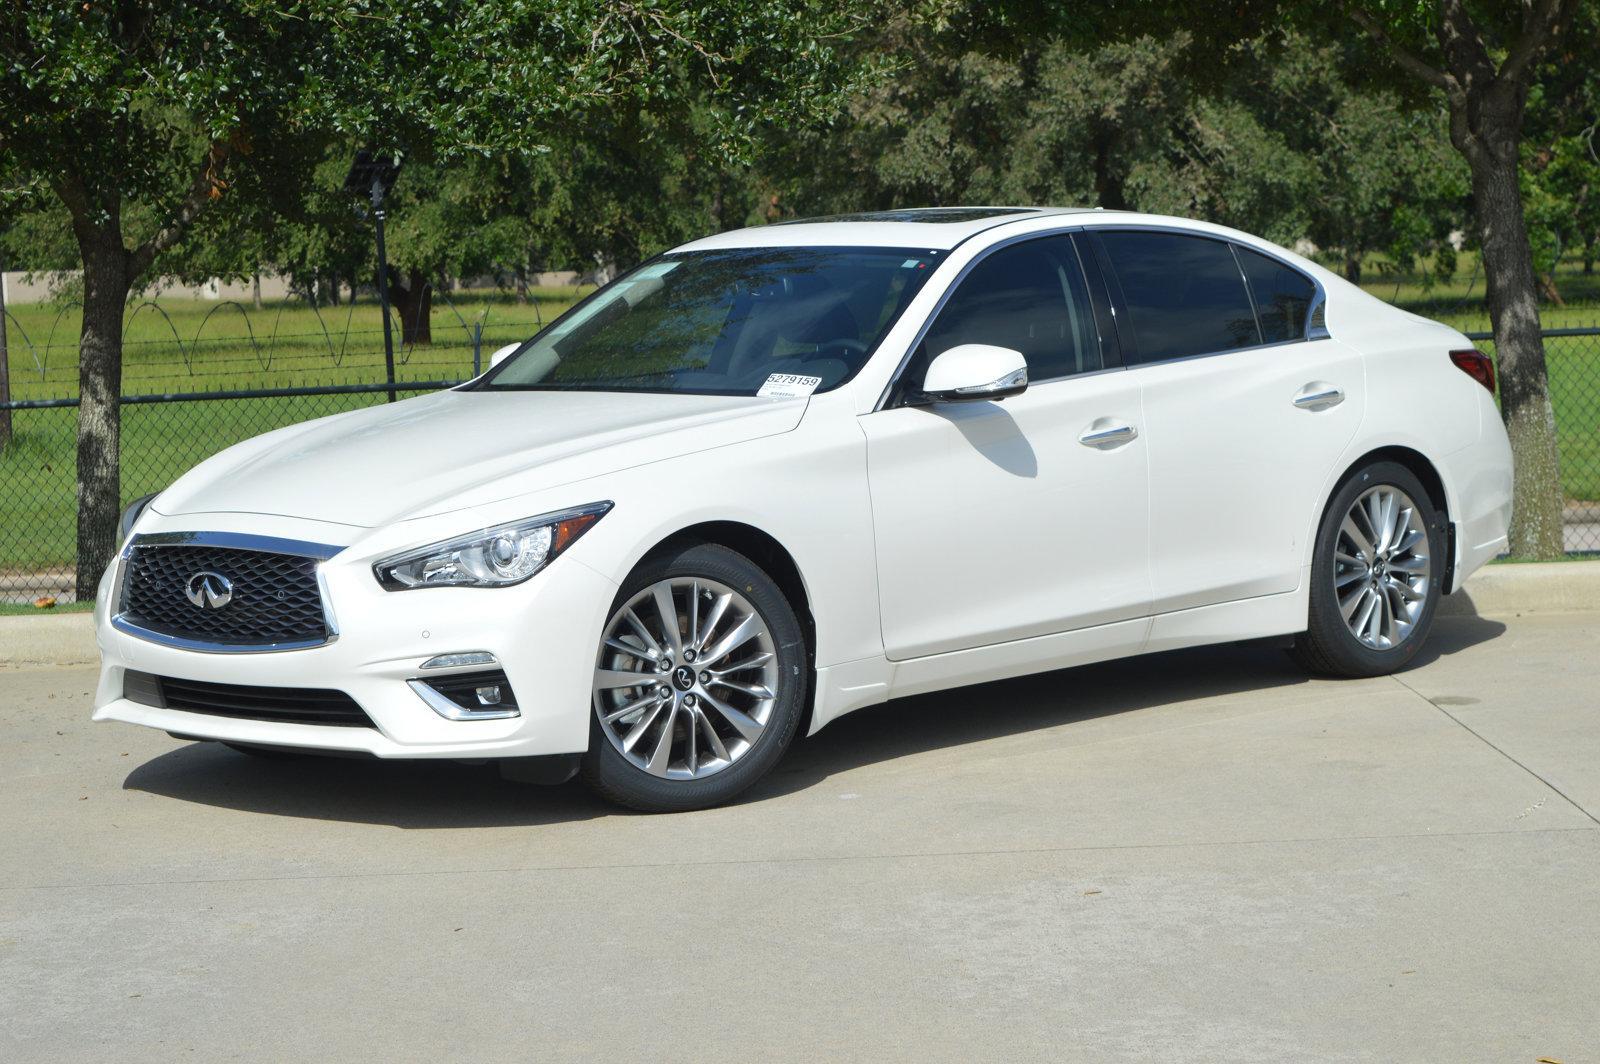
1196 856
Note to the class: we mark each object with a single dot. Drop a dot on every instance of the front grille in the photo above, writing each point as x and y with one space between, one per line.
275 598
289 705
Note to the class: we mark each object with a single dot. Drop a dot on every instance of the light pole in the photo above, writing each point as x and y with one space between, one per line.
373 175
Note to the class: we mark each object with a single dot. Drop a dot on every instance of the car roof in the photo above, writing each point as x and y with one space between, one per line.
918 227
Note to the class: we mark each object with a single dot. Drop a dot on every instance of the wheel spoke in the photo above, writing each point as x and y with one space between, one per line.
1356 536
668 611
1409 540
1410 565
748 663
641 726
1350 577
712 738
661 756
714 618
1348 606
740 632
1369 605
611 679
754 690
630 649
746 725
691 736
626 708
642 632
1385 616
1405 590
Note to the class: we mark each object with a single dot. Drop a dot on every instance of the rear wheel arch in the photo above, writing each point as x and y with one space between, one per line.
1421 467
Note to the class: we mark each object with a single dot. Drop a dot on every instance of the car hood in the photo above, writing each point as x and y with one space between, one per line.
456 449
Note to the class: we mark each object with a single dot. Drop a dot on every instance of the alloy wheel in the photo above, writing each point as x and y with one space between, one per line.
686 679
1381 567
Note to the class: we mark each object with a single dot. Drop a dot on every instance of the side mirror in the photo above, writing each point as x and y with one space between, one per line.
502 354
971 372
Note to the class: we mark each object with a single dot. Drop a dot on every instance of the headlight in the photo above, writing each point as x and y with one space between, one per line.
495 557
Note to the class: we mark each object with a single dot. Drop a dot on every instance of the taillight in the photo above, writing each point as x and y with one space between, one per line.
1475 364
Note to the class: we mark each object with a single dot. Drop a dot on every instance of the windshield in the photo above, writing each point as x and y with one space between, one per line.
738 321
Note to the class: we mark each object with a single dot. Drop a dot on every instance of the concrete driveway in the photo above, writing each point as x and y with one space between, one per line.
1198 856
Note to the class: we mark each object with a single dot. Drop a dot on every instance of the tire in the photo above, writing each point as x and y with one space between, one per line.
728 613
1393 579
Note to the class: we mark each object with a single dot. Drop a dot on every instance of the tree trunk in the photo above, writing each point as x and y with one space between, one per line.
105 294
1513 297
255 290
333 289
413 301
1352 267
1108 187
520 280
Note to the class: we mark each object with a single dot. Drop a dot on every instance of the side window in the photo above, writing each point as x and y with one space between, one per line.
1283 296
1183 293
1030 297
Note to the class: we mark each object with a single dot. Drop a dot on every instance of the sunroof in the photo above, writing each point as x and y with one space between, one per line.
920 214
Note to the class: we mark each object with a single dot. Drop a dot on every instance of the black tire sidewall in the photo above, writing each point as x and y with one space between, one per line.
616 778
1336 647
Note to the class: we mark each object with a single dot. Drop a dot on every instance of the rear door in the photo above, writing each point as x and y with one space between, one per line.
1244 414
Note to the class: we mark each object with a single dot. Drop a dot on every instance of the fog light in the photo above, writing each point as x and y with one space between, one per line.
483 695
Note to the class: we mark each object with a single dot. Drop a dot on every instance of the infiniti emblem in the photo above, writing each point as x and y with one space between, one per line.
208 590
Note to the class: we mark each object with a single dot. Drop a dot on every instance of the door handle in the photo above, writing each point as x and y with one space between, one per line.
1319 395
1105 434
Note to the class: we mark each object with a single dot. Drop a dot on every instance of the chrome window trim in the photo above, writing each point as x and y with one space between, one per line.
949 290
1319 294
234 541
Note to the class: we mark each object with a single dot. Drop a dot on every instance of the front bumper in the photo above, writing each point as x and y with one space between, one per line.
544 633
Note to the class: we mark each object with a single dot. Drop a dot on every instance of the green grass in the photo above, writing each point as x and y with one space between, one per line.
15 609
186 345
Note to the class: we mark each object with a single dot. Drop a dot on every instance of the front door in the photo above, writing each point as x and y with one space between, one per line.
998 521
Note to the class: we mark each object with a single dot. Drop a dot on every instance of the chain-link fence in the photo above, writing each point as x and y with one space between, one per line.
165 435
1573 359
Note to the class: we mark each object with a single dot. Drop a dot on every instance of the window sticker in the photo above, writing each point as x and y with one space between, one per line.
788 386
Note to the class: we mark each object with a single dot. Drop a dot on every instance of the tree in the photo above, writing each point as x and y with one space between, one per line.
143 118
1484 59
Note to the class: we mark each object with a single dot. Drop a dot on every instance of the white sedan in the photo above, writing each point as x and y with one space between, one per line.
780 474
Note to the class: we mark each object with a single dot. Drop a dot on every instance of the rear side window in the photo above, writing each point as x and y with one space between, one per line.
1184 294
1030 297
1283 296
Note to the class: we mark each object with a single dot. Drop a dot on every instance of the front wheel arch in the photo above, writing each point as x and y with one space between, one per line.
775 560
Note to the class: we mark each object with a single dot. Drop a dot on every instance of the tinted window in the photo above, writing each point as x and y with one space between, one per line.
721 322
1184 294
1029 297
1283 296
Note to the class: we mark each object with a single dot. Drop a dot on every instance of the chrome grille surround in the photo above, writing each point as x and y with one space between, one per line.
282 597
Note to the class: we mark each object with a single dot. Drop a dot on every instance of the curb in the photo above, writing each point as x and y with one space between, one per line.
1493 591
48 639
1514 588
